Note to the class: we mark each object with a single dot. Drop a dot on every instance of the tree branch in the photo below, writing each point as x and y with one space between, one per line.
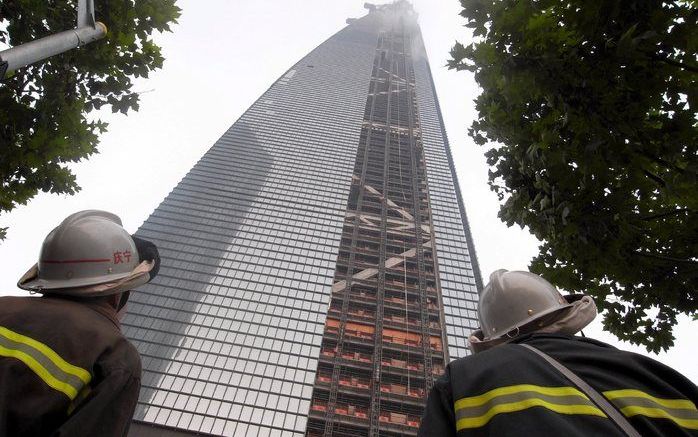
655 178
667 258
661 161
665 214
674 63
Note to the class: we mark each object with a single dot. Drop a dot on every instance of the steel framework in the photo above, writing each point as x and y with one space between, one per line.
383 343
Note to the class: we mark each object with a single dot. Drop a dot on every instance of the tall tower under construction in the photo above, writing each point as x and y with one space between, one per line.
318 271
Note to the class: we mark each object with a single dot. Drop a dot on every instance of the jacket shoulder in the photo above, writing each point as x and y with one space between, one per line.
507 364
80 334
496 357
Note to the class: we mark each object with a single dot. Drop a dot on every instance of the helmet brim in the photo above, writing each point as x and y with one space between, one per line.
86 287
478 343
30 281
572 298
525 325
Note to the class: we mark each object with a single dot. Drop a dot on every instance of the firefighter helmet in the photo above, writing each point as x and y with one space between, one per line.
512 300
91 254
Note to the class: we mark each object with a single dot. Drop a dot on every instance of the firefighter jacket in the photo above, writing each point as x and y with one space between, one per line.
510 391
65 369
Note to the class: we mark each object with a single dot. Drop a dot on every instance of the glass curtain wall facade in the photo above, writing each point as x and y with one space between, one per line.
317 269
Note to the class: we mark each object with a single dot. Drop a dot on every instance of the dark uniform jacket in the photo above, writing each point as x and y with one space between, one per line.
65 369
510 391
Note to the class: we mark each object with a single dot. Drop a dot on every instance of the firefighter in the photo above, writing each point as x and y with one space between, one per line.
530 376
65 367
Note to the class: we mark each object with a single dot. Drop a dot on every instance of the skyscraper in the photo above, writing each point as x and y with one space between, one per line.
318 270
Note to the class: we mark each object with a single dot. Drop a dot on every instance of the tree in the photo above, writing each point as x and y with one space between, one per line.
589 110
44 108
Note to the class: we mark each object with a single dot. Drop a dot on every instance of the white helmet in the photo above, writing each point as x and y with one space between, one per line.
512 300
91 254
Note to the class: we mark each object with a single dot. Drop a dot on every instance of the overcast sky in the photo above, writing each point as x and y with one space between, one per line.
221 57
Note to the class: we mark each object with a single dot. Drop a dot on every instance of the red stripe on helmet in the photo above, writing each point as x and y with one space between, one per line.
75 261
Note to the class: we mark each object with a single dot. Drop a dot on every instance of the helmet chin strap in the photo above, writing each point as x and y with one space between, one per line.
121 313
123 305
124 300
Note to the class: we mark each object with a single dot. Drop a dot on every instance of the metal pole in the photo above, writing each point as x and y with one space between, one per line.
34 51
26 54
86 13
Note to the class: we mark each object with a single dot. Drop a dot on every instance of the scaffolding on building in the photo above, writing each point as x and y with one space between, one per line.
383 344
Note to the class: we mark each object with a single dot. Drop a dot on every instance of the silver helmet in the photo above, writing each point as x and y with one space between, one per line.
91 254
512 300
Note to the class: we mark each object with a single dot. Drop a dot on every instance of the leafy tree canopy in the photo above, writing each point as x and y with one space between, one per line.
43 108
589 111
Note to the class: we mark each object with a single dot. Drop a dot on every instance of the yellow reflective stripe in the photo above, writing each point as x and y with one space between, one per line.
633 402
49 353
658 413
476 411
44 362
669 403
475 422
41 371
79 398
475 401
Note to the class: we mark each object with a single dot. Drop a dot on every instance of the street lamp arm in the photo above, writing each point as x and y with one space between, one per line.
87 31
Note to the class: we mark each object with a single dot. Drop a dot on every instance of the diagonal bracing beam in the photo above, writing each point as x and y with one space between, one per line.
372 271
